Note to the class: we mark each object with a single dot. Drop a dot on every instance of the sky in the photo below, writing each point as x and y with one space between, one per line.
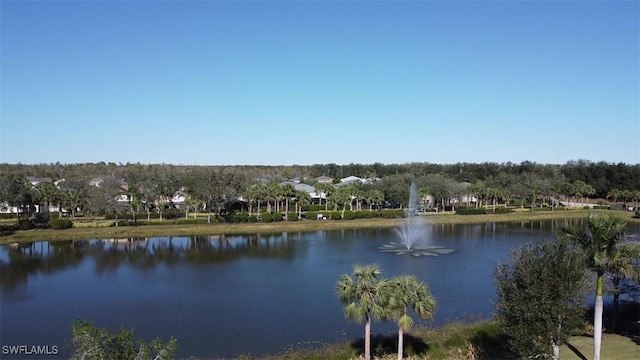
317 82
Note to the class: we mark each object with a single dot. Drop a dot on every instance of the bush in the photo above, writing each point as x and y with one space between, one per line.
25 224
252 218
365 214
266 217
335 215
236 218
392 213
103 344
170 214
349 215
131 223
637 214
292 216
184 221
470 211
277 216
40 220
311 215
60 224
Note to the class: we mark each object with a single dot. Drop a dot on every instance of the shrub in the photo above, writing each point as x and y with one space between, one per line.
335 215
637 214
60 224
132 223
266 217
170 214
25 224
190 221
40 220
349 215
292 216
236 218
311 215
392 213
470 211
313 207
502 210
277 216
365 214
101 343
601 207
252 218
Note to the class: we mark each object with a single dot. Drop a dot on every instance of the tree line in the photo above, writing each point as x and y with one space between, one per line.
217 189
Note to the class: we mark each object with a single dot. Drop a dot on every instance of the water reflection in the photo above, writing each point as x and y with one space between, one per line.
19 262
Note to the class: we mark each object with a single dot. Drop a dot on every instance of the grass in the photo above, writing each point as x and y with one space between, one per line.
614 346
482 340
88 230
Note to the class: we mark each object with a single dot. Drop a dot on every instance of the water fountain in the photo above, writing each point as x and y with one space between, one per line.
413 233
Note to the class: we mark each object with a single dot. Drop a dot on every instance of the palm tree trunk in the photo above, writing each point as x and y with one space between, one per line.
367 339
597 319
400 342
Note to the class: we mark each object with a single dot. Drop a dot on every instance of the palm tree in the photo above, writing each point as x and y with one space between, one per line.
601 240
623 266
302 198
286 192
360 296
326 189
252 196
407 292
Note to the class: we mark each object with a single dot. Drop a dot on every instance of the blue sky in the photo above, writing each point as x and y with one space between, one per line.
282 83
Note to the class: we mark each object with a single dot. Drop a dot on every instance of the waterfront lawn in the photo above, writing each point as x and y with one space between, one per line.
104 230
614 346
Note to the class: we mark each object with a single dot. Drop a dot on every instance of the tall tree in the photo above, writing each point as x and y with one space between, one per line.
602 239
301 198
325 189
540 297
361 295
404 293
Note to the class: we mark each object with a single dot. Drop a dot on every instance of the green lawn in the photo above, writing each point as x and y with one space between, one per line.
86 230
614 346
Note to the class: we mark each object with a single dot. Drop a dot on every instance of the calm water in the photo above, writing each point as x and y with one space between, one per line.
222 296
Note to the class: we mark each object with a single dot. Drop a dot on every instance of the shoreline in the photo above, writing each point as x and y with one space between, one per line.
87 233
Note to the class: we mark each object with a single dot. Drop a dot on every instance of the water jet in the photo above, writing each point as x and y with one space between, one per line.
412 232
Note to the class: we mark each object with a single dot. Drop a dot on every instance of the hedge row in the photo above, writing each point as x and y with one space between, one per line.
60 224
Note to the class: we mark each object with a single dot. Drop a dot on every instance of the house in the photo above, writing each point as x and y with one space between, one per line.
350 179
97 182
313 193
37 180
323 180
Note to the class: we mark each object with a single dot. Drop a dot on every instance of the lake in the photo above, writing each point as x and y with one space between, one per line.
224 296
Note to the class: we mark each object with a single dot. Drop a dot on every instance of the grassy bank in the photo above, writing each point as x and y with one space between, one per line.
457 341
169 229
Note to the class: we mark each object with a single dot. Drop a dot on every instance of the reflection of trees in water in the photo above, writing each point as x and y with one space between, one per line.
144 254
32 258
